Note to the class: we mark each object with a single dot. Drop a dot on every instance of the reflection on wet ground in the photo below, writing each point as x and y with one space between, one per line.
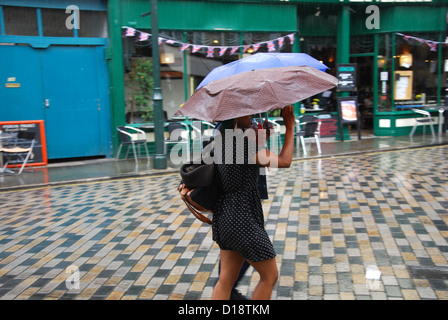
362 226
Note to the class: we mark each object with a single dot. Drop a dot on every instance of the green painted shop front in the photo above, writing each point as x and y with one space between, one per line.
333 31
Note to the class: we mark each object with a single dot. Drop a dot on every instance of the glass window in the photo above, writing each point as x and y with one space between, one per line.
199 65
93 24
416 70
361 44
324 50
54 23
384 61
20 21
181 71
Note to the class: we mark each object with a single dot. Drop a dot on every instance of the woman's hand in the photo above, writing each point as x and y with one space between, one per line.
288 117
183 190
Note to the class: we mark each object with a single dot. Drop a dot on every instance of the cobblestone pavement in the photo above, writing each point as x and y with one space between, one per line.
330 220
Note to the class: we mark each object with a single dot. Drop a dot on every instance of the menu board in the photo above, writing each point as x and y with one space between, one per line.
40 147
403 85
348 114
329 125
346 74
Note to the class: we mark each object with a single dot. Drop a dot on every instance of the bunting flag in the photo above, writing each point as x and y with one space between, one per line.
210 52
430 43
183 47
196 48
130 32
222 50
280 42
272 45
143 36
234 49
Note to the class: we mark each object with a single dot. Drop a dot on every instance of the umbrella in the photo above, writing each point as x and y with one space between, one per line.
256 91
262 60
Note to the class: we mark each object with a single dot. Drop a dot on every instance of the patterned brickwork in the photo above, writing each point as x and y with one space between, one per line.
329 219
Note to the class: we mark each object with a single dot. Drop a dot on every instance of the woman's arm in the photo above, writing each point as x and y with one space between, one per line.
266 158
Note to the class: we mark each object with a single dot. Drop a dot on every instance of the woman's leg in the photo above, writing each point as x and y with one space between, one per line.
231 262
268 277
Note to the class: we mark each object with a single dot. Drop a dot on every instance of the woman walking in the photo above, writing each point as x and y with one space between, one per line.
238 222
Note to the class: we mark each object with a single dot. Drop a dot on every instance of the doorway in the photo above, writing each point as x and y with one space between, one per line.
364 80
67 87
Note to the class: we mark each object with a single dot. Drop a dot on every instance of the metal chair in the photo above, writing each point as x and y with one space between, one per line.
133 137
307 129
178 133
200 134
19 151
426 120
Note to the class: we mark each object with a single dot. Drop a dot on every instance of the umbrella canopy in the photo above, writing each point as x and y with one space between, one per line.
255 91
262 60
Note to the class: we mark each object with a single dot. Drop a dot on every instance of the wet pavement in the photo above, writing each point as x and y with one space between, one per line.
106 229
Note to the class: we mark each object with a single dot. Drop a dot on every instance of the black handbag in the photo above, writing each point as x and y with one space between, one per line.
203 192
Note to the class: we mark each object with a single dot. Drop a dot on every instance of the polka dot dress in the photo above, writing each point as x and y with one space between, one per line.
238 222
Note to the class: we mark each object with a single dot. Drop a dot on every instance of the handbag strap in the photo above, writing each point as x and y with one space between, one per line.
196 213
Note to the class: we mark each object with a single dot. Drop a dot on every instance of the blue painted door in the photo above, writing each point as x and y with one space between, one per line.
20 84
66 86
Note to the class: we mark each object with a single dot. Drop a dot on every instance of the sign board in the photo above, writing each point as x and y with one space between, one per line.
403 85
348 113
346 74
40 146
329 124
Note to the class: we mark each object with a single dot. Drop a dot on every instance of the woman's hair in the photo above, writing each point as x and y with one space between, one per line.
227 124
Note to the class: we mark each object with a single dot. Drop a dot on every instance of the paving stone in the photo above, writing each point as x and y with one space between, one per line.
330 219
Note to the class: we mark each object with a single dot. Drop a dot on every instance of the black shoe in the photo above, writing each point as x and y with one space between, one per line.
236 295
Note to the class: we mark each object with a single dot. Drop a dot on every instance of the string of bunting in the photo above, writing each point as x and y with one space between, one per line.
271 44
430 43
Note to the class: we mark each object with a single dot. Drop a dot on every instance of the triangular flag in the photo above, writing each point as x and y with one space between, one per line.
234 49
184 47
196 48
210 52
143 36
130 32
222 50
280 42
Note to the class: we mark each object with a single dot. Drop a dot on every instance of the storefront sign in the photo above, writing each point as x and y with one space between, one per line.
346 73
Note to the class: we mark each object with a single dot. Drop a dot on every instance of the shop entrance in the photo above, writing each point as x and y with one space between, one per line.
61 85
365 92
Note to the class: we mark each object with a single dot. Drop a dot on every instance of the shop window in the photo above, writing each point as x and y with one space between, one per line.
93 24
15 18
182 71
361 44
54 23
324 50
384 61
416 71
